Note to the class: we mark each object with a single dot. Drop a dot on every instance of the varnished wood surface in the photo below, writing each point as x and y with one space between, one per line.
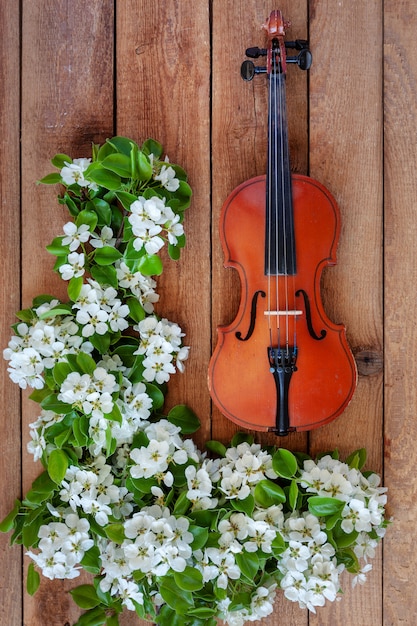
76 72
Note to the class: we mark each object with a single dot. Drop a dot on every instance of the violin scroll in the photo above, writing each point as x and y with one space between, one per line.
276 26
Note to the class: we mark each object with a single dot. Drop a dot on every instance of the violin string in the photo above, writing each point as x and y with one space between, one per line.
284 198
269 209
277 234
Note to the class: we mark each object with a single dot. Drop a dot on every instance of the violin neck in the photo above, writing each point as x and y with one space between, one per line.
279 232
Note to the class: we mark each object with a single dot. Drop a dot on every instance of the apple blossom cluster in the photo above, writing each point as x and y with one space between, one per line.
295 550
38 344
62 545
148 218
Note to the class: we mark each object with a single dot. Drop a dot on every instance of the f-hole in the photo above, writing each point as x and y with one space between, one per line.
251 328
311 330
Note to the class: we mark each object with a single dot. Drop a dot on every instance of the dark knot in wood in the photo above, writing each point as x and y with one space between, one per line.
369 362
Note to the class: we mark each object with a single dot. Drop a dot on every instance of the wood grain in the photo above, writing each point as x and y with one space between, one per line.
10 427
400 151
67 103
163 83
175 76
346 156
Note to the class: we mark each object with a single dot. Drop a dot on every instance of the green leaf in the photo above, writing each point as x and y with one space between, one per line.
43 484
38 395
156 395
284 463
101 342
60 309
86 363
182 416
93 617
71 205
105 275
322 506
105 150
126 199
190 579
216 447
200 537
104 178
25 315
144 167
246 505
180 602
115 532
268 494
344 540
61 439
349 559
51 179
103 210
239 438
118 163
31 526
357 459
51 403
57 248
114 414
60 371
136 310
144 485
85 596
107 255
60 160
87 217
293 494
74 287
57 465
150 265
182 504
7 523
278 545
121 144
33 580
174 252
80 430
248 563
151 146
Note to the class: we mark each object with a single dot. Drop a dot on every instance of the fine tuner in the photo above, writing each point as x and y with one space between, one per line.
303 59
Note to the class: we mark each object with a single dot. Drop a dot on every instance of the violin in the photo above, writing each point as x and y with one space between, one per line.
282 365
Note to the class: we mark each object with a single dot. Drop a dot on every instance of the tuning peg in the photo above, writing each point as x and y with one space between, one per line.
254 53
249 69
303 59
298 44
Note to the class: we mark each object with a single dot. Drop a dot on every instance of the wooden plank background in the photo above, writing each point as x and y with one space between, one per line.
77 72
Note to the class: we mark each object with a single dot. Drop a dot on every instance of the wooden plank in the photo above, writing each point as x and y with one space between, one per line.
67 87
239 140
10 426
163 80
345 155
400 151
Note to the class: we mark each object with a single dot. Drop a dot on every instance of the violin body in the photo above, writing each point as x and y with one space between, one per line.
281 365
241 383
